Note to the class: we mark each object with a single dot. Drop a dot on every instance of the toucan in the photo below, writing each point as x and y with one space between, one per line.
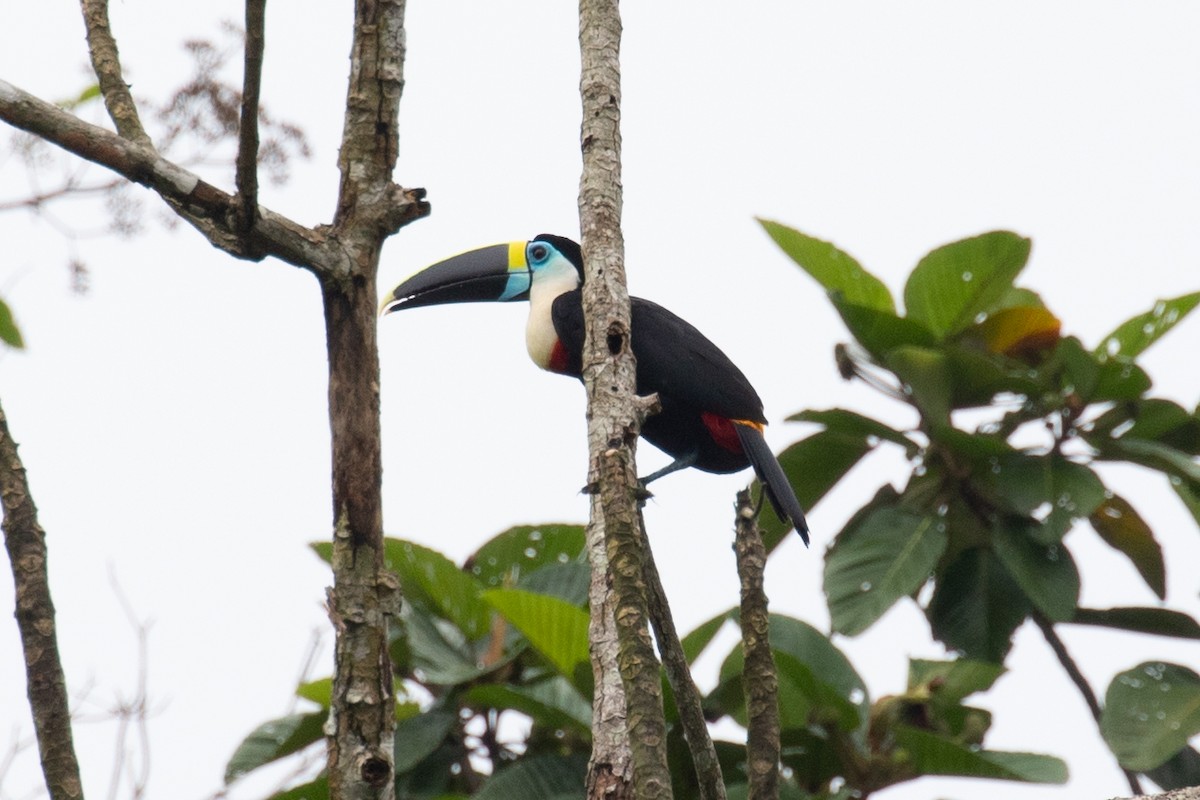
711 417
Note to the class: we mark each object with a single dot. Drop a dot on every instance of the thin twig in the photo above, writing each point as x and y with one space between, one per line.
47 684
106 63
687 697
1072 669
760 682
247 155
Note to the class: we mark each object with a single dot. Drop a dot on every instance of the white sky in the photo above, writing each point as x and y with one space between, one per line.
173 420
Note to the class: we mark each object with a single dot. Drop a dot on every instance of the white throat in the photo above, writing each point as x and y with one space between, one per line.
549 282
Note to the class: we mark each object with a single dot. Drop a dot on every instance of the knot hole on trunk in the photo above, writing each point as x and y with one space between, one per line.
616 339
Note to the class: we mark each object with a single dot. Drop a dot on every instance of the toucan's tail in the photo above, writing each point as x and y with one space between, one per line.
775 483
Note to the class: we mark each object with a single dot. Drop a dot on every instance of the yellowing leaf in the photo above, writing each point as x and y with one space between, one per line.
1019 331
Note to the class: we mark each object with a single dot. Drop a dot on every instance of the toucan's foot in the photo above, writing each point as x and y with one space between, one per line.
683 462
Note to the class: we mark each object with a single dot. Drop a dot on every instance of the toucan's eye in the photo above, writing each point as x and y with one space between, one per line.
538 253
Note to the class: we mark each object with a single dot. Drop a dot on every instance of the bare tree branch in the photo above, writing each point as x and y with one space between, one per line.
106 63
47 686
362 724
272 234
1077 677
709 779
760 683
615 413
247 156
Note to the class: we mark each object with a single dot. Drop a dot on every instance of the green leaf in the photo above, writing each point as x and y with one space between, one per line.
977 606
954 283
887 555
441 654
854 424
273 740
316 789
1135 335
1180 771
976 378
696 641
1166 422
880 332
833 269
10 334
830 687
318 691
813 466
553 703
925 375
1049 487
438 582
932 755
1120 526
89 93
521 550
417 737
537 778
950 682
1155 455
1150 712
1046 573
569 582
1189 493
805 699
1155 621
557 629
1119 379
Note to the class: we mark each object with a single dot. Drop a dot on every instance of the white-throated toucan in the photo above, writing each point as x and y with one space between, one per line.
711 417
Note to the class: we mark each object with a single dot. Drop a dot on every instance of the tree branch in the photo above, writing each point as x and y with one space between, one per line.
197 200
246 178
106 63
361 727
47 686
760 683
615 412
709 779
1077 678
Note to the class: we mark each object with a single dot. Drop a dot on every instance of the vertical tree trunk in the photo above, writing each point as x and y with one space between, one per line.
615 414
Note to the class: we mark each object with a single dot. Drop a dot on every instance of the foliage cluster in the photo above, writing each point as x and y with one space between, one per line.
976 536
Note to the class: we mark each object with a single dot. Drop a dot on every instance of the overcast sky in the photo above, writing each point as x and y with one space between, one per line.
173 419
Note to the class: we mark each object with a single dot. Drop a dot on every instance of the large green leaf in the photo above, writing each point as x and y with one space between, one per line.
1056 490
557 629
855 424
879 331
933 755
829 688
1119 525
440 652
1166 422
977 606
430 576
418 736
1189 493
553 703
1155 455
274 740
1150 712
804 698
316 789
10 334
813 466
1119 379
1134 335
538 778
1155 621
886 555
833 269
1180 771
926 377
951 681
1046 573
700 638
568 582
518 551
957 282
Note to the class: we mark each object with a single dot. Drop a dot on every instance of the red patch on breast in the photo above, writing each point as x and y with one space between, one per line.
722 431
560 360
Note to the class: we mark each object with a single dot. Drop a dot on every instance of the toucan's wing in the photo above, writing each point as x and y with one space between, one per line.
673 358
677 360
